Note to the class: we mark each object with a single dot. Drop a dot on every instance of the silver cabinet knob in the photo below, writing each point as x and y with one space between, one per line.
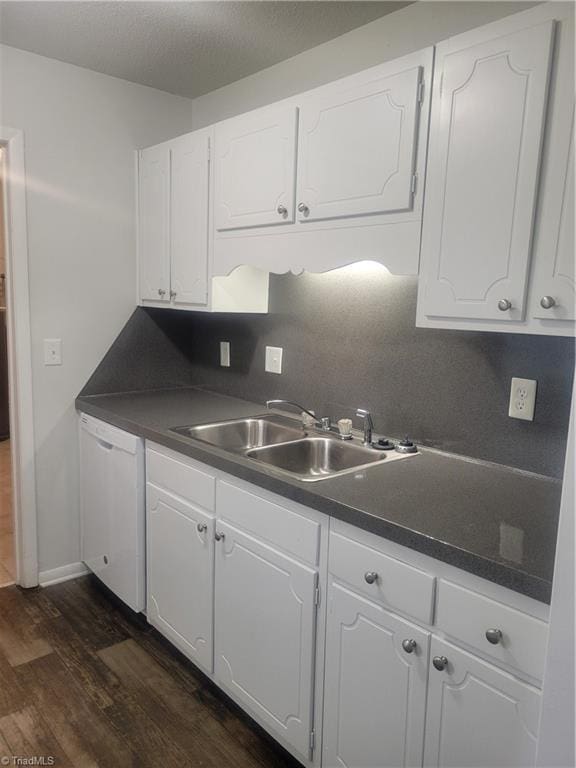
409 645
440 662
173 294
201 527
161 292
219 536
370 577
494 636
282 210
547 302
504 305
303 208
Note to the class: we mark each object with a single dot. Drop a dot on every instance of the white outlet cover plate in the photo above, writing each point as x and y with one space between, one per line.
273 360
52 351
225 354
522 399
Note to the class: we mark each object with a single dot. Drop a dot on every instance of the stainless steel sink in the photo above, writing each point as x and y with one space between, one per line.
317 458
243 434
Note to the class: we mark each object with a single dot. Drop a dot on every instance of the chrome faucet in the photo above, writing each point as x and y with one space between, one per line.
368 425
317 422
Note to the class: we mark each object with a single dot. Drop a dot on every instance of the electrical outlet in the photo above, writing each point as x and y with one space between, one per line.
225 354
52 351
522 399
273 360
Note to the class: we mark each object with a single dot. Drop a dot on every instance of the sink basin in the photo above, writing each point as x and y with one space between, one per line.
316 458
244 434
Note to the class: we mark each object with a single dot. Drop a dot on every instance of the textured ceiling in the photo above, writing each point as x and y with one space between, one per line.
188 48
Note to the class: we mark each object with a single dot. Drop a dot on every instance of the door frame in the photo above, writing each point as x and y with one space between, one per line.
20 359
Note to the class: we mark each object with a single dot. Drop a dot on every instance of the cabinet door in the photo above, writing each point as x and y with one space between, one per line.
265 625
357 146
189 219
180 541
375 692
554 267
477 715
489 103
154 223
255 158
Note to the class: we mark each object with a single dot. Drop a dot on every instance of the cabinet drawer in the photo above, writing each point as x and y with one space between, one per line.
181 476
397 584
467 616
273 523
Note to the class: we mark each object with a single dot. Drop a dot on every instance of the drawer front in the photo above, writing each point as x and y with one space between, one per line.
181 476
467 616
271 522
396 584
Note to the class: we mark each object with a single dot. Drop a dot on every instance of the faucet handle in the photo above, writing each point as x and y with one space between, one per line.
364 414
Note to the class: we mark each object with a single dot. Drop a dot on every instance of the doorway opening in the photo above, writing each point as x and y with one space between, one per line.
7 543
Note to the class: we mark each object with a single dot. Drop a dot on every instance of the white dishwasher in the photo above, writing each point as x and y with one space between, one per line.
112 508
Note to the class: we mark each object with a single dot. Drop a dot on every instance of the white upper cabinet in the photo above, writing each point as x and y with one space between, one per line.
354 151
498 230
174 234
255 159
356 146
189 218
154 221
486 131
554 289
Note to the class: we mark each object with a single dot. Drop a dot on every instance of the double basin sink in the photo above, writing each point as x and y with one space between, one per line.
281 444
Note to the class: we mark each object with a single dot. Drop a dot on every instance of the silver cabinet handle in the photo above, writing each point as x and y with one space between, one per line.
219 536
409 645
173 294
504 305
494 636
161 292
547 302
282 210
370 577
303 208
201 527
440 662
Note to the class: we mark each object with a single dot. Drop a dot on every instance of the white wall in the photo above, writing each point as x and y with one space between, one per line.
81 129
402 32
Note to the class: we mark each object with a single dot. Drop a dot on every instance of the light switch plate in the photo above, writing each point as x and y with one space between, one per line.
225 354
522 399
273 360
52 351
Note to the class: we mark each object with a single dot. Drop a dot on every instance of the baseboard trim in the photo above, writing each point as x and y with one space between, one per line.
64 573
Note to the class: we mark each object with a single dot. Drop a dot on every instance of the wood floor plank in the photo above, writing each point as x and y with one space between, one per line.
12 695
81 728
26 734
22 637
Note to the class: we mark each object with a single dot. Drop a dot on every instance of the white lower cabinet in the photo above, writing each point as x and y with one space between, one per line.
334 639
181 574
265 620
478 715
375 690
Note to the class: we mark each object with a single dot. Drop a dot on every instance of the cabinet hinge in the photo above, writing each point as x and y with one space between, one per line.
413 183
312 742
317 596
421 92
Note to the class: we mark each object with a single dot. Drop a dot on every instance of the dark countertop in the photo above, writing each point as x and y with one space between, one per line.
493 521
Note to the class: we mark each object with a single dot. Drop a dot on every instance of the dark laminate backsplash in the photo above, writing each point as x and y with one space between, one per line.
349 341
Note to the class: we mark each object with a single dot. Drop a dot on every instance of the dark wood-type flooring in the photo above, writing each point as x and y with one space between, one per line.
83 681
